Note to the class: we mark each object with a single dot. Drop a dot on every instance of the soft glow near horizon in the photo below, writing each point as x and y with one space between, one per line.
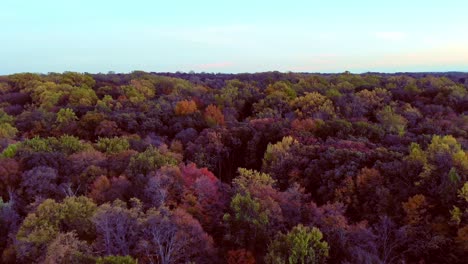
238 36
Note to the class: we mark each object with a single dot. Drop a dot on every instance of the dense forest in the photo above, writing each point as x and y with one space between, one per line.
233 168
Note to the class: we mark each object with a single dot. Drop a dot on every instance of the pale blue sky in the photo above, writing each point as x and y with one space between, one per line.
233 36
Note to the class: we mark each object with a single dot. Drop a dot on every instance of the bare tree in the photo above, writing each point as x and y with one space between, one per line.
389 239
173 237
116 228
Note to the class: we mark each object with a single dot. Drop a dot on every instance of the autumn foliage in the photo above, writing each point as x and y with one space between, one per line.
213 115
185 107
233 168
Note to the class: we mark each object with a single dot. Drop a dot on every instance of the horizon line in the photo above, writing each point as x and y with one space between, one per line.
239 73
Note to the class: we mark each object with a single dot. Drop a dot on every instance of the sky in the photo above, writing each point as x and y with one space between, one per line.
233 36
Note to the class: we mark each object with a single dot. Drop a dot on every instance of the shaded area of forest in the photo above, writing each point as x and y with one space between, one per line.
234 168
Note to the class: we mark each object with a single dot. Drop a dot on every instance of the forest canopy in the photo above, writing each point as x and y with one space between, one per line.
233 168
